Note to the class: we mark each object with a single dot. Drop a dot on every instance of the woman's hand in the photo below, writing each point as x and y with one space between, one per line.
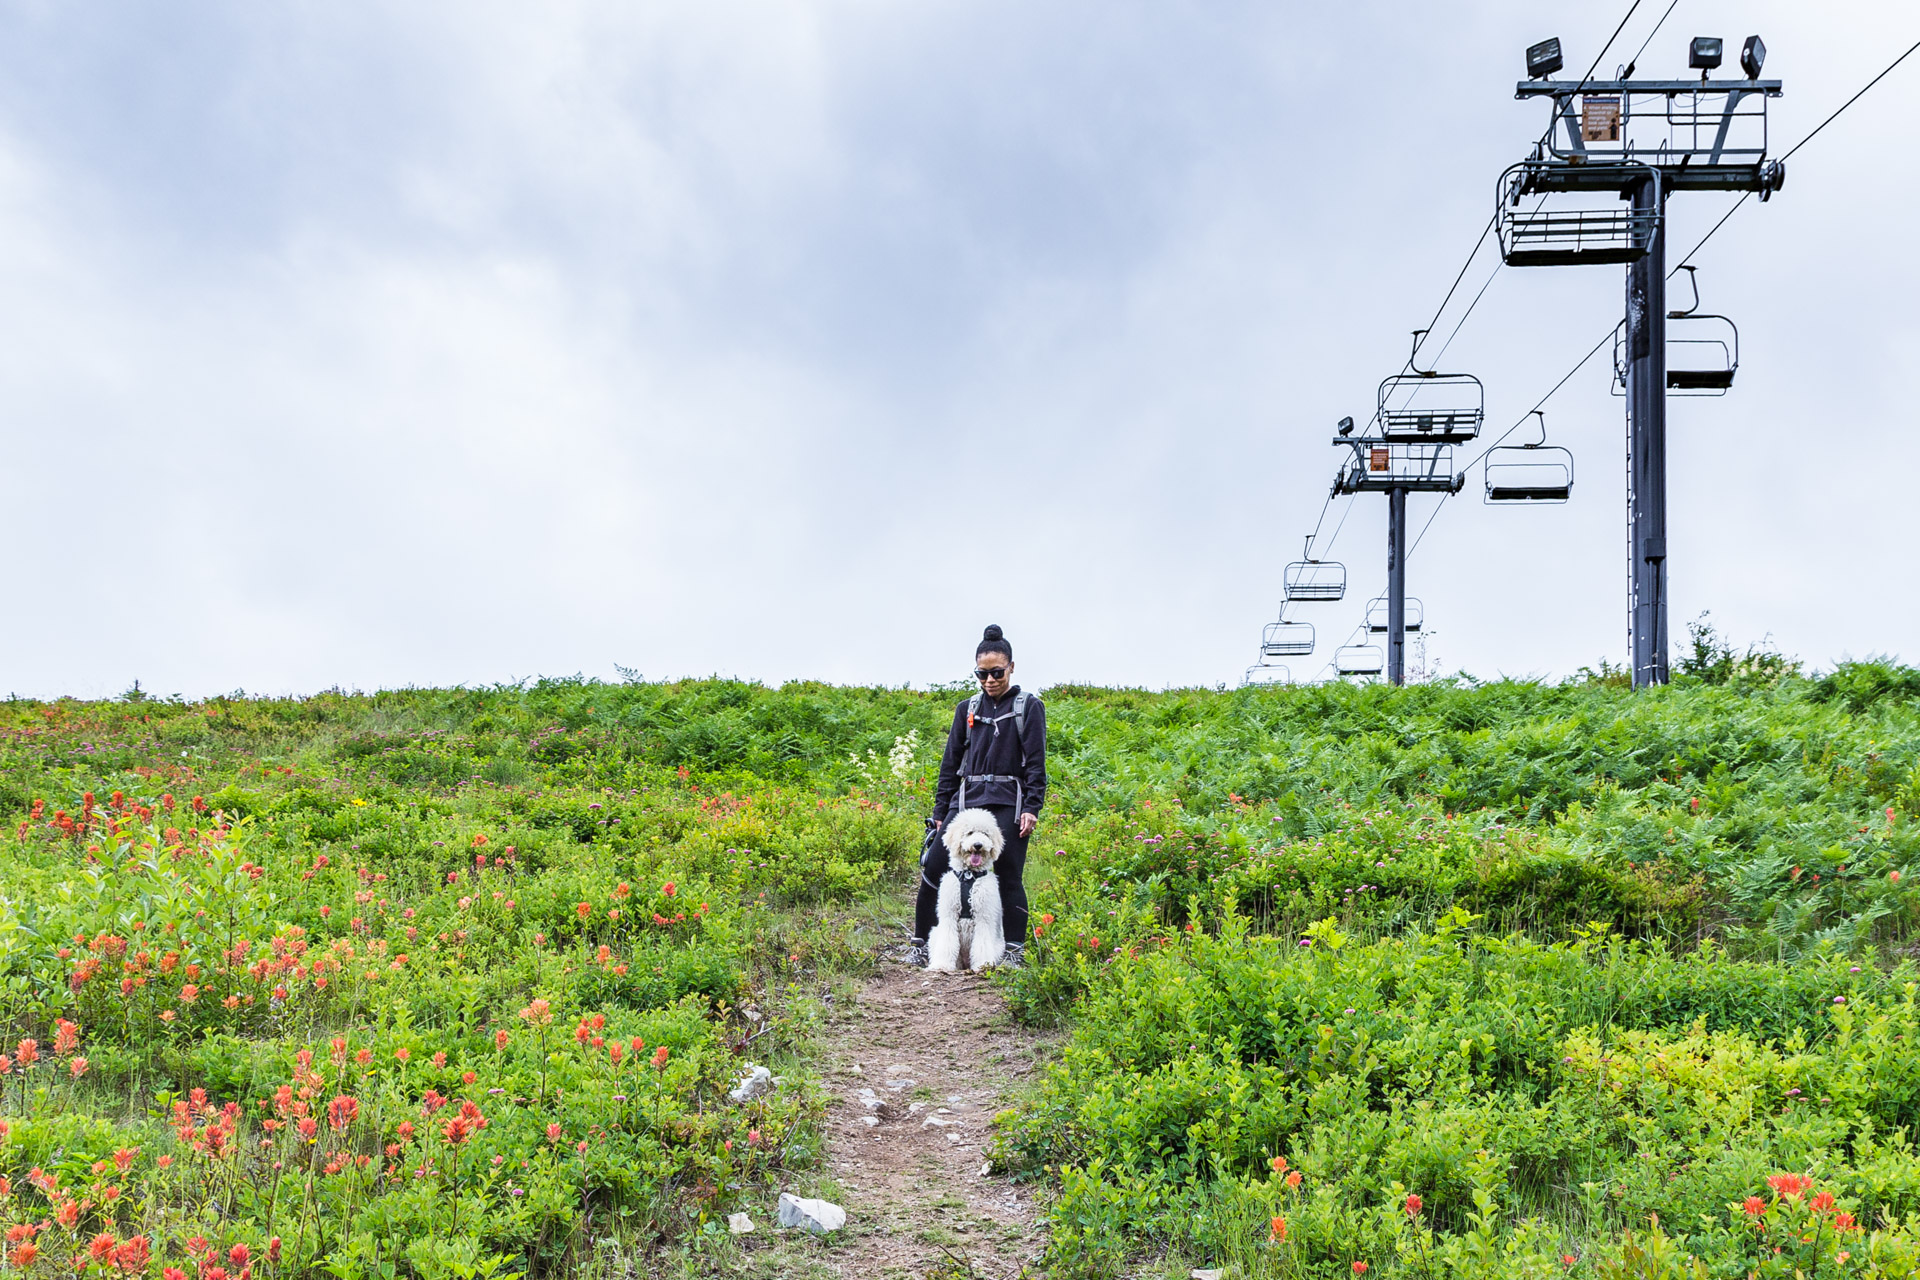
1027 823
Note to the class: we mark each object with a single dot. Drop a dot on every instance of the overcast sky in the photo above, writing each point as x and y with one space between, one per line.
370 345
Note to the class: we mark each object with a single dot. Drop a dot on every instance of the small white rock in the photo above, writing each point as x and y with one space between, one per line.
986 1169
871 1100
901 1082
934 1122
915 1108
739 1224
1212 1273
757 1081
817 1216
870 1121
897 1070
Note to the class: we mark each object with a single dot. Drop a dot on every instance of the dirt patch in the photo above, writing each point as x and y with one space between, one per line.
918 1067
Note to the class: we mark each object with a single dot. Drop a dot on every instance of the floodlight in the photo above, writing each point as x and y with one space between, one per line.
1544 59
1753 56
1346 426
1703 54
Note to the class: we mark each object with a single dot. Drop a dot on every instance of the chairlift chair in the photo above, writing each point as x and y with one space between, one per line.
1286 640
1377 614
1425 405
1267 673
1316 580
1537 472
1359 660
1597 228
1703 350
1705 354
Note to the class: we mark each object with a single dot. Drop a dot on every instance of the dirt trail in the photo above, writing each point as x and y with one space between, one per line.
940 1056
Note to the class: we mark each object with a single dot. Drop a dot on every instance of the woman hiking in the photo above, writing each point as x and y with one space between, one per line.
996 759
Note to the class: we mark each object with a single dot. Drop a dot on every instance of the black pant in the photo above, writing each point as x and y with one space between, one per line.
1008 866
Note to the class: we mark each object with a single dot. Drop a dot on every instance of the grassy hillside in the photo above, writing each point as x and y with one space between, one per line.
1464 979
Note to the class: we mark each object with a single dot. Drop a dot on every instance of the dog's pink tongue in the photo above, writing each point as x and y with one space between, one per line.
974 860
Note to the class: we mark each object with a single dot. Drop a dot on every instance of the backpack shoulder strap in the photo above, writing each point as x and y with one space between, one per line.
973 709
1020 714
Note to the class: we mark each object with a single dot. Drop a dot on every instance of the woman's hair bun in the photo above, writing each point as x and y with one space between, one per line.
993 632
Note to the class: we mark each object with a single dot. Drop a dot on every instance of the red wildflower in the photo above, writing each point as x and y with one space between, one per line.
132 1254
1278 1231
66 1037
1754 1205
239 1254
102 1246
342 1111
500 1039
1822 1202
553 1133
1359 1268
1414 1205
1789 1184
660 1057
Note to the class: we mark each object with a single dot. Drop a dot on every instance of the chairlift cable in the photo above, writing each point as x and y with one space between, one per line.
1635 59
1850 101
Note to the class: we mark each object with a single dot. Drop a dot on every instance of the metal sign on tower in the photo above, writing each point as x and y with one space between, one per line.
1612 154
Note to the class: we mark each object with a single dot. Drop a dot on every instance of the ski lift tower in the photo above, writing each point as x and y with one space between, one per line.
1408 448
1613 152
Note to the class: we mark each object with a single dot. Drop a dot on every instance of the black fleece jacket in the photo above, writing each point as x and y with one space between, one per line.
995 748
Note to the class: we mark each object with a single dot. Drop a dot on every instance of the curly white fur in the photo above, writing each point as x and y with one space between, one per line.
973 842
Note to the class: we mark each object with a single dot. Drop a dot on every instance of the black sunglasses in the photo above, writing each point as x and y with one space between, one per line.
988 673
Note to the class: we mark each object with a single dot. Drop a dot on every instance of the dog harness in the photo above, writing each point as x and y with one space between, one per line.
967 877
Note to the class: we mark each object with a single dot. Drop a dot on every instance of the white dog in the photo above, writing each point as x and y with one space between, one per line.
968 912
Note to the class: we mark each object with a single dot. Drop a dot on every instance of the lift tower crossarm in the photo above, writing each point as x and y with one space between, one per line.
1671 88
1702 135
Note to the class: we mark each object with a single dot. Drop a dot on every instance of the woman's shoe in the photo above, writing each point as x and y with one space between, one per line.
915 954
1015 957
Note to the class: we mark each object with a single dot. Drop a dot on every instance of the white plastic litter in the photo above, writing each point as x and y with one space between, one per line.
739 1224
817 1216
